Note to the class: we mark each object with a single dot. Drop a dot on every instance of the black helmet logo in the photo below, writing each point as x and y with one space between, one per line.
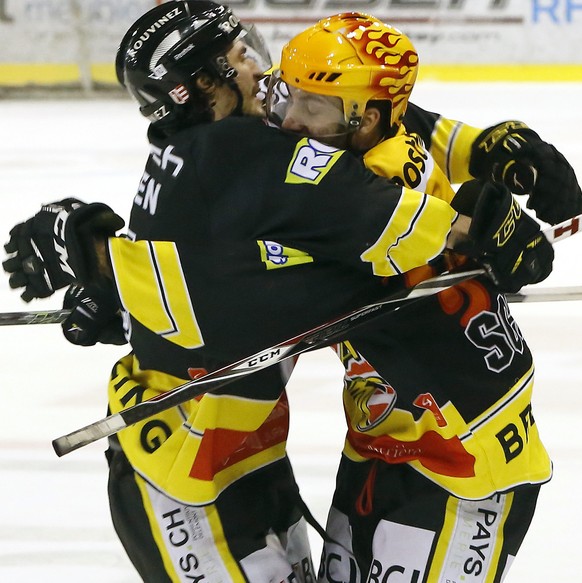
146 34
179 94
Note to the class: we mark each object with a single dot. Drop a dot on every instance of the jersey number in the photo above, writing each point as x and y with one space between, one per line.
498 335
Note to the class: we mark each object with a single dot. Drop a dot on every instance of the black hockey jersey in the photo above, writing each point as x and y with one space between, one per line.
246 236
242 236
444 385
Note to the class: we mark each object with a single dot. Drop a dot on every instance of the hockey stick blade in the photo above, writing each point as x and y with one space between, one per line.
317 337
41 317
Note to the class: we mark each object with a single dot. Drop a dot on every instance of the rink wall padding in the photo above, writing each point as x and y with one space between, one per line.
72 43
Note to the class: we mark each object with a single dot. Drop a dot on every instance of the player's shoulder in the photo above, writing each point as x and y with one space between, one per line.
212 130
401 142
244 137
234 126
393 156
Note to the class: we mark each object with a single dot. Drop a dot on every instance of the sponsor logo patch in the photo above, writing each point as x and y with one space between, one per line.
275 255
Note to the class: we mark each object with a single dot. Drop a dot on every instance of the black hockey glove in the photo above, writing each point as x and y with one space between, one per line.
506 240
513 154
95 316
56 246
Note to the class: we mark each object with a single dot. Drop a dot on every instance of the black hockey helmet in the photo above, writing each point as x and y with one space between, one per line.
164 50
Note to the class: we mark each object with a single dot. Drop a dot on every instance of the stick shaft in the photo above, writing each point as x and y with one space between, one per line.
549 294
556 233
317 337
564 229
553 294
41 317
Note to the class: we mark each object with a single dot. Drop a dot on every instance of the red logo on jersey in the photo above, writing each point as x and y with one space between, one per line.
221 447
427 401
447 457
373 396
196 373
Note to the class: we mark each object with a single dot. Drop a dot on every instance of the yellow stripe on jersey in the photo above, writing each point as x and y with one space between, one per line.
194 451
451 148
234 413
495 452
156 527
190 538
499 539
441 561
153 290
415 234
471 540
221 545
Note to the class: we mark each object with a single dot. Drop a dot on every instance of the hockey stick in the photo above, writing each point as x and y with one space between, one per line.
564 229
556 233
42 317
549 294
318 337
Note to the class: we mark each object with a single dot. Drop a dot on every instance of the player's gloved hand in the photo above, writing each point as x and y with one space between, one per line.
95 316
506 240
57 246
515 155
33 262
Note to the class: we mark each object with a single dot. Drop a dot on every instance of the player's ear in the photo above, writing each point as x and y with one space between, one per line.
205 83
370 123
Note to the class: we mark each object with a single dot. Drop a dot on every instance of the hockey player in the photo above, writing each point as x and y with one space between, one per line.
240 236
442 461
509 153
230 236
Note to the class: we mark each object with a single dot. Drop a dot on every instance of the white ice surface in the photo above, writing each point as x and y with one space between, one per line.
54 521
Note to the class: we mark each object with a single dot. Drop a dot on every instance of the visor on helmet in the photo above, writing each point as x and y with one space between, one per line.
355 57
256 47
305 112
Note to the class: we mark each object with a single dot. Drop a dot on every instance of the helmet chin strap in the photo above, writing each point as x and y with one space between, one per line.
229 74
346 136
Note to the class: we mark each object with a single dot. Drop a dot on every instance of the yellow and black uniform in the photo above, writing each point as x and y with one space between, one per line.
240 236
448 141
442 450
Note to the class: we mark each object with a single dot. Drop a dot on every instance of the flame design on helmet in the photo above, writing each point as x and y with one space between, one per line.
356 57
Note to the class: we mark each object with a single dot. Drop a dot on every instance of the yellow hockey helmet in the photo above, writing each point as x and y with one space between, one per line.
356 57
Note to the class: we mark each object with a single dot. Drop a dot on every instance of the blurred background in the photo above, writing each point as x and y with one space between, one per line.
68 130
71 44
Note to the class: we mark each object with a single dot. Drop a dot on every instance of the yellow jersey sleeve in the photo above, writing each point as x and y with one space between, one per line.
405 160
451 148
